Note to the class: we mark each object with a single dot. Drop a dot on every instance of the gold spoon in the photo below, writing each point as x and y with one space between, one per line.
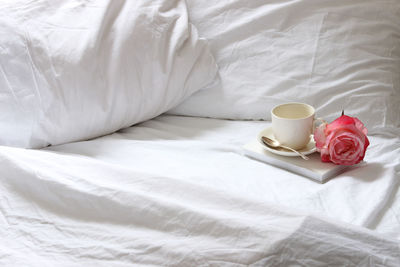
274 144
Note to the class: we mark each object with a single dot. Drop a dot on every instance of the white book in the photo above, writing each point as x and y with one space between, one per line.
312 168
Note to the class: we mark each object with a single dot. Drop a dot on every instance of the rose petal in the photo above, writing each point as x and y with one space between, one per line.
319 136
340 122
325 155
360 126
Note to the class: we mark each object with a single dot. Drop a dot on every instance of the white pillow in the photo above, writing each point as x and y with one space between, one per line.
333 55
72 70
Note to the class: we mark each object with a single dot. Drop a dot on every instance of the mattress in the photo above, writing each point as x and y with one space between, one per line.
178 191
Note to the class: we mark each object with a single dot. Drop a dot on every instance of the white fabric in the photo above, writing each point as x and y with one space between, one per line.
208 152
333 55
73 70
176 191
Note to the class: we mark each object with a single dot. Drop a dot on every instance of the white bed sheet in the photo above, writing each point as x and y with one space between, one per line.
208 152
177 191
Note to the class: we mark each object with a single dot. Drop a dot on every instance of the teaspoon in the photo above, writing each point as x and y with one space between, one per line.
274 144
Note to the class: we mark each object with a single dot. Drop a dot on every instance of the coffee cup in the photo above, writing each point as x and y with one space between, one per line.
293 124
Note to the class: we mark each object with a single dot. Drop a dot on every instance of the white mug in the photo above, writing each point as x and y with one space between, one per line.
293 124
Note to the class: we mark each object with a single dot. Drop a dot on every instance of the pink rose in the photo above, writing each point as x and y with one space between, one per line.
343 141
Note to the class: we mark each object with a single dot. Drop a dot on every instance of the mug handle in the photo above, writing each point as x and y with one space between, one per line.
318 120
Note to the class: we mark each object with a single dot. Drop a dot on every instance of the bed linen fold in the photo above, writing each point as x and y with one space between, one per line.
61 209
176 191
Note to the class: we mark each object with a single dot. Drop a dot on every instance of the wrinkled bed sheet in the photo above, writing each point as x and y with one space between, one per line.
177 191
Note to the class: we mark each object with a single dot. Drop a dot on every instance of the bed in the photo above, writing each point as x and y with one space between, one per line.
143 166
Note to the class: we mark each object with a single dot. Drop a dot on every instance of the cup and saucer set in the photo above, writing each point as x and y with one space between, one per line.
292 127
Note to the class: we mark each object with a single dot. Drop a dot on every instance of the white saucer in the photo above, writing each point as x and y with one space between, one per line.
308 149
